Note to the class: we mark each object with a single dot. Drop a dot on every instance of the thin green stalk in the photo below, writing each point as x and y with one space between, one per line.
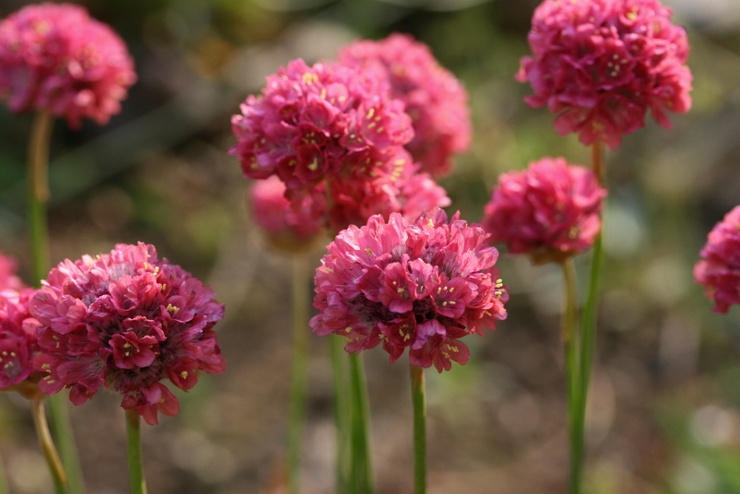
589 317
341 413
135 463
58 476
571 344
420 425
38 197
361 468
300 360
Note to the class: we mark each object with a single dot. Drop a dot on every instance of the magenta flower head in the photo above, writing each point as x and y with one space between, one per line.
718 271
421 285
55 58
18 342
125 321
287 227
600 65
549 211
436 101
8 276
310 120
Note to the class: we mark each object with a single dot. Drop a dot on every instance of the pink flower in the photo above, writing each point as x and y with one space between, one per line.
287 227
8 276
434 98
600 65
549 211
55 58
18 341
421 285
335 138
125 321
718 271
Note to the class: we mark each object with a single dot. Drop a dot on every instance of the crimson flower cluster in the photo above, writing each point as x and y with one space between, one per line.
55 58
435 100
549 211
601 65
718 271
125 321
420 285
334 135
18 340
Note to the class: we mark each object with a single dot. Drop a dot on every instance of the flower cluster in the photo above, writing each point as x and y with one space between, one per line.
549 211
435 100
286 226
420 285
55 58
333 135
18 340
718 271
600 65
125 321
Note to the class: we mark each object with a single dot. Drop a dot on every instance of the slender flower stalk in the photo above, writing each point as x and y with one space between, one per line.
361 471
58 475
135 463
341 413
418 401
571 343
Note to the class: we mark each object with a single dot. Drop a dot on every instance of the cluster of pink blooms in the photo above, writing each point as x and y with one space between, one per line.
600 65
549 211
420 285
288 226
125 321
333 135
18 340
718 271
55 58
435 100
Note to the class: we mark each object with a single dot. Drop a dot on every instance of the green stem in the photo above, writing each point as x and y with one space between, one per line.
589 319
135 464
298 384
47 446
361 468
341 412
571 344
38 197
420 421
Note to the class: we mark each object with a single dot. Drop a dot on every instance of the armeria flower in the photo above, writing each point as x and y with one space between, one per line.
310 120
600 65
718 271
287 227
421 285
55 58
434 98
125 321
8 276
549 211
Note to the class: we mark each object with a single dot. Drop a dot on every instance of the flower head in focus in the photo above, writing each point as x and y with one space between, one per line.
718 271
421 285
55 58
549 211
125 321
600 65
287 227
436 101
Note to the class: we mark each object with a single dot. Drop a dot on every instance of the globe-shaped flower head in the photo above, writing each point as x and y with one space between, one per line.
420 285
600 65
549 211
334 134
125 321
55 58
718 271
434 98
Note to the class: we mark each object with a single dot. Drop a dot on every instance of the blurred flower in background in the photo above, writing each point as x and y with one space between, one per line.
718 271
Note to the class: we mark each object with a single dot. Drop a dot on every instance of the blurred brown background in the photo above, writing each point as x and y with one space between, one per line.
666 395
